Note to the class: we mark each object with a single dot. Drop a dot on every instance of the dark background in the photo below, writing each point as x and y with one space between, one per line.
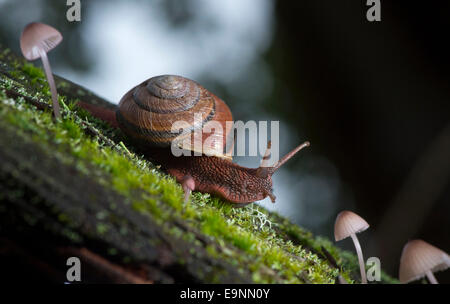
373 98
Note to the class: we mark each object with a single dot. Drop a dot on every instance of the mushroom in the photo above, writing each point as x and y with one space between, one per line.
37 39
421 259
349 224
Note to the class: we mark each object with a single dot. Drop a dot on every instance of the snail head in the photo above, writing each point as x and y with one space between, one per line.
265 172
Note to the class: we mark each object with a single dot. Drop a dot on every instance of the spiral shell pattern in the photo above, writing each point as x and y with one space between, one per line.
148 112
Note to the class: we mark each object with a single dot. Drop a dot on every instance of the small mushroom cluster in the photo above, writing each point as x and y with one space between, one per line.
419 259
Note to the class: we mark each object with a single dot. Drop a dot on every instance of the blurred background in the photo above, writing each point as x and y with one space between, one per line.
372 97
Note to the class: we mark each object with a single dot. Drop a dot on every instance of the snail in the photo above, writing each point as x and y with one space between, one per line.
147 113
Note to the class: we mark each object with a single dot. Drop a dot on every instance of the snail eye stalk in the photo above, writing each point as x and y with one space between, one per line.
272 196
288 156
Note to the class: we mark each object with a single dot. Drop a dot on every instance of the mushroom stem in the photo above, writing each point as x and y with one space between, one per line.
188 185
187 193
342 280
51 82
431 277
360 258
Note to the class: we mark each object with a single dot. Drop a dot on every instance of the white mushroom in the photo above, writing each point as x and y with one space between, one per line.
421 259
37 39
349 224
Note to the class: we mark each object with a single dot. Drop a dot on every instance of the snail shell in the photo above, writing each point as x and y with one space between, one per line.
148 111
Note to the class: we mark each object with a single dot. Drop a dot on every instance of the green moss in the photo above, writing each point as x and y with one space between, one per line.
36 75
270 246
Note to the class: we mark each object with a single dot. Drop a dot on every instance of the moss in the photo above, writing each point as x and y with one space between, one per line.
35 74
275 250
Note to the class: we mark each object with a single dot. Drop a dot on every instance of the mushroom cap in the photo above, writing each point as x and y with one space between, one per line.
347 223
38 36
418 257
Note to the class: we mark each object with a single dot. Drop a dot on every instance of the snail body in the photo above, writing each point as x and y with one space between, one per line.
147 114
